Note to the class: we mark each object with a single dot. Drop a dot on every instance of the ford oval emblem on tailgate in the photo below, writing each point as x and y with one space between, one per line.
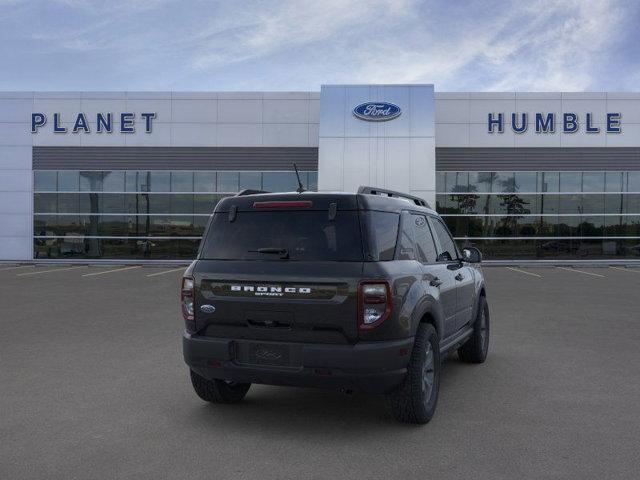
207 308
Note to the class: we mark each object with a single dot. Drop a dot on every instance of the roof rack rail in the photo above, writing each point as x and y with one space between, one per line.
390 193
249 191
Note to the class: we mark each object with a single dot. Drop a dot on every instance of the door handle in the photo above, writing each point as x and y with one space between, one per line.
459 277
435 282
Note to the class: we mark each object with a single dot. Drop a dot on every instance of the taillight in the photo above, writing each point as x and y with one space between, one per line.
374 304
186 299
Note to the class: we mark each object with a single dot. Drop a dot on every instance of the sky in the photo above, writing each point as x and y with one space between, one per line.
184 45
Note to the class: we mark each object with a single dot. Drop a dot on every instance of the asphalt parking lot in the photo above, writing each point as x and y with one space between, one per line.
93 385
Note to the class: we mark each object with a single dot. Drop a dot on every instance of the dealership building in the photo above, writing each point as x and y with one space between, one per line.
135 175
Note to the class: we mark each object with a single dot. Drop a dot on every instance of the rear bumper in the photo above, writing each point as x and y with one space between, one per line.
374 367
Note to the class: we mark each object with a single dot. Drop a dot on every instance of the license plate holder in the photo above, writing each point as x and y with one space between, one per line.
270 354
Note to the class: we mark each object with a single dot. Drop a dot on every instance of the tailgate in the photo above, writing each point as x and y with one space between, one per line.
314 302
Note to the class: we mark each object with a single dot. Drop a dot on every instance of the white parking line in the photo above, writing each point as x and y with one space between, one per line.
167 271
634 270
50 271
522 271
15 268
581 271
111 271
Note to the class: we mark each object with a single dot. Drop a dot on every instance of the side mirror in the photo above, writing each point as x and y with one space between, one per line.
471 255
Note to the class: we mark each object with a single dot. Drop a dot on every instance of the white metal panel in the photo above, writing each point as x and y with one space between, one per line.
15 225
15 158
15 181
162 109
239 135
583 139
285 135
15 109
194 134
330 161
478 137
285 111
630 136
46 136
103 139
15 202
194 111
161 136
452 111
452 134
332 116
16 248
239 111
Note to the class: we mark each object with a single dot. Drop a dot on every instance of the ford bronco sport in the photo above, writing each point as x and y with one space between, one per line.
363 291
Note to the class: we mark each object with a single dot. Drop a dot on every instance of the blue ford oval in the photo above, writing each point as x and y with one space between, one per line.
377 111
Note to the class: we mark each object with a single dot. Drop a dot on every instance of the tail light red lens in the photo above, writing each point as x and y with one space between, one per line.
374 304
186 298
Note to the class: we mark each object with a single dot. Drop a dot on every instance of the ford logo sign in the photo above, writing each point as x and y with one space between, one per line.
207 308
377 111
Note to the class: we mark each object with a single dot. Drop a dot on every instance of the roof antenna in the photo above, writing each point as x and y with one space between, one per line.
300 188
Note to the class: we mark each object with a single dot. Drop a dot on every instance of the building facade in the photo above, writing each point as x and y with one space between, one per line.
135 175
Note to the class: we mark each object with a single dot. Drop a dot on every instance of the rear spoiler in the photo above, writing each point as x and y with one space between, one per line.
390 193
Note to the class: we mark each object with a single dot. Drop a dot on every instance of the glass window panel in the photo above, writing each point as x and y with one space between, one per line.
45 180
527 226
526 182
137 181
458 226
68 181
504 182
569 226
593 181
182 203
592 226
548 226
113 181
113 203
549 182
199 224
182 181
614 226
253 180
313 181
613 182
45 203
279 181
159 182
228 182
441 203
571 181
440 181
571 203
68 203
480 181
424 240
157 203
205 203
90 181
498 204
204 181
592 203
113 225
631 226
614 203
633 182
457 181
447 248
475 227
631 203
549 204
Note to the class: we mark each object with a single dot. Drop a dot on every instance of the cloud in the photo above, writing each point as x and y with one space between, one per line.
299 44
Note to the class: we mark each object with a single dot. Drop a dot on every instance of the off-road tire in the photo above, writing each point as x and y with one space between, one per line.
218 391
414 401
475 349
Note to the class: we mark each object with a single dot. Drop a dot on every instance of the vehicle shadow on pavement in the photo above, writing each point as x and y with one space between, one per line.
287 410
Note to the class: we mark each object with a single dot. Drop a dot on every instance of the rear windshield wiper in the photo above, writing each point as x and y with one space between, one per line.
283 252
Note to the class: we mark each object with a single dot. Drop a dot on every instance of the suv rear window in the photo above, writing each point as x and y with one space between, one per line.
303 234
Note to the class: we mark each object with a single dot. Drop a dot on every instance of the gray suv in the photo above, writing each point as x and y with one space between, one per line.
364 291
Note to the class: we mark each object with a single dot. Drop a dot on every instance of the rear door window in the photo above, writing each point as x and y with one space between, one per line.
426 248
304 235
447 250
406 242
